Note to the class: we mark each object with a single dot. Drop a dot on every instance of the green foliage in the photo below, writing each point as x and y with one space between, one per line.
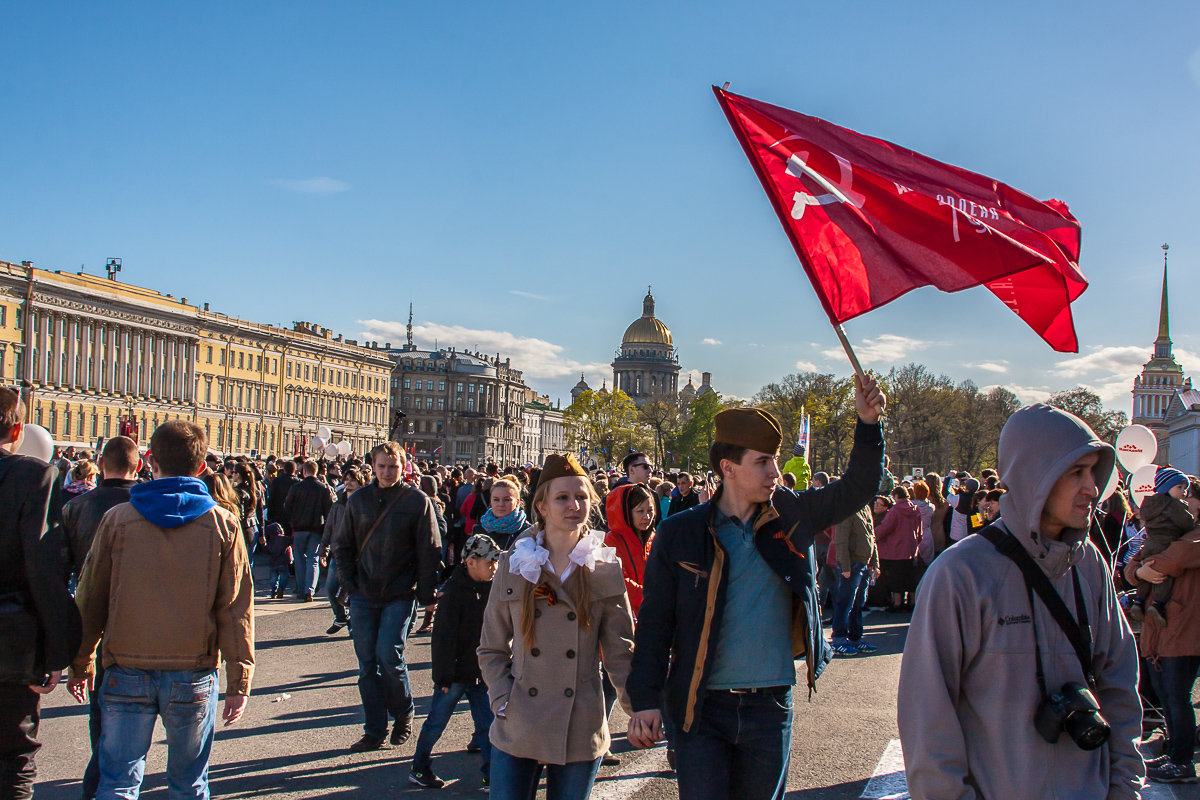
696 435
1085 404
602 424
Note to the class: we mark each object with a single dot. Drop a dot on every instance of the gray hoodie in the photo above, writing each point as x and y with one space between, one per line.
968 685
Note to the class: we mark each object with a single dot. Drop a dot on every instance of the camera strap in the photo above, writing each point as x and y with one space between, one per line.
1078 633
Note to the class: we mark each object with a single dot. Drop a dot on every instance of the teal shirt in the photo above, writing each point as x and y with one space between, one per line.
754 647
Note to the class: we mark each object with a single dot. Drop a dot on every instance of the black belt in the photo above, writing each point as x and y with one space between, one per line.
756 690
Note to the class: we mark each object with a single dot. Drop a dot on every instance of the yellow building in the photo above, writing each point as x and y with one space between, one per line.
97 350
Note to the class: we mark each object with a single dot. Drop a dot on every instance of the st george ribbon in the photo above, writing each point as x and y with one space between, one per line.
871 221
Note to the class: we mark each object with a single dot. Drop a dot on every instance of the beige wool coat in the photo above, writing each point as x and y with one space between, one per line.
551 693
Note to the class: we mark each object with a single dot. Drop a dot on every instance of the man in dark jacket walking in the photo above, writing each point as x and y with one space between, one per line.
388 555
119 463
455 662
306 507
40 624
729 603
278 493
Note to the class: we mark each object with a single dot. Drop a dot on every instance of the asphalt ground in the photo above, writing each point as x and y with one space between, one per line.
305 712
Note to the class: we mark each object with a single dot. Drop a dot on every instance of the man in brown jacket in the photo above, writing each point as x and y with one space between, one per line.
167 587
858 562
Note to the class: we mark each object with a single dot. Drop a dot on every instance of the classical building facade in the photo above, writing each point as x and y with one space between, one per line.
459 407
647 366
1160 380
97 352
545 432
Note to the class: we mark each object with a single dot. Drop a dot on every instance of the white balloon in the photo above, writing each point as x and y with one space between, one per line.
325 433
331 451
1141 485
1113 480
37 443
1136 447
343 448
317 444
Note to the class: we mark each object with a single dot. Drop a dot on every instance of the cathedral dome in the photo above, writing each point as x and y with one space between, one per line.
647 329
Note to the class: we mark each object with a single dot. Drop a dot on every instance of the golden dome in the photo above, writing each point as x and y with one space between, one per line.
647 329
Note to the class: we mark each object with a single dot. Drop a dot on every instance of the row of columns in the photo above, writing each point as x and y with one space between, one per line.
1150 405
85 354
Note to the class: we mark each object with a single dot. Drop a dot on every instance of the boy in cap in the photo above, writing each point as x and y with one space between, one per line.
1166 517
729 607
456 672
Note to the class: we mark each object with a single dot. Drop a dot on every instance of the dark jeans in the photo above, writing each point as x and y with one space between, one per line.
380 635
738 749
1173 680
91 774
445 698
517 778
848 607
18 740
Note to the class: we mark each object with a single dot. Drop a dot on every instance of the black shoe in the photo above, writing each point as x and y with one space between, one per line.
610 760
486 785
368 743
426 779
308 598
472 747
1171 772
671 758
402 730
334 628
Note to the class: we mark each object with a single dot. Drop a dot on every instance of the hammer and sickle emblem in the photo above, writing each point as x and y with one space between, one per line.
841 192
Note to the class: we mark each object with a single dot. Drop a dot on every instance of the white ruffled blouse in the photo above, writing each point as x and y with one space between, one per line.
530 556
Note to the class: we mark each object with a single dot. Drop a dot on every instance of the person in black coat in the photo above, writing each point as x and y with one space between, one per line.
455 664
81 517
306 506
280 487
40 628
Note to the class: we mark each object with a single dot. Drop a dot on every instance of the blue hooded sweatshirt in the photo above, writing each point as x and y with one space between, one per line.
171 502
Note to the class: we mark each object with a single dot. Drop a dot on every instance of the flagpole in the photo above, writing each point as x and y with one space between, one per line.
841 334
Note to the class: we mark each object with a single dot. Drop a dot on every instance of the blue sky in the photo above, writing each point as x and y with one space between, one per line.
521 172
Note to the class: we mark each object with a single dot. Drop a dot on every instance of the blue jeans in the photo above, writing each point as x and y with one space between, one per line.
848 607
517 778
305 545
739 747
279 578
380 635
333 585
445 698
131 700
1172 681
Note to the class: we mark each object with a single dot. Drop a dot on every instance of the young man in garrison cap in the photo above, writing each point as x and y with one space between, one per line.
730 604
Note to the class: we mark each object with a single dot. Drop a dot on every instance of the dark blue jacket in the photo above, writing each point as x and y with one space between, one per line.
687 571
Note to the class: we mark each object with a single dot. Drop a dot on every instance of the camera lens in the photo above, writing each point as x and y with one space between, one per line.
1087 729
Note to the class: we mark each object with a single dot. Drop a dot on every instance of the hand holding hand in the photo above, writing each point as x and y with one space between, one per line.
868 399
645 728
1149 574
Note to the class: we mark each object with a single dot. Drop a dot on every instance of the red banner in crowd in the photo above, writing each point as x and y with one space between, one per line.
871 221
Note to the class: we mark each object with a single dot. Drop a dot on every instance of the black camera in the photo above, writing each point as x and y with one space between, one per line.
1075 710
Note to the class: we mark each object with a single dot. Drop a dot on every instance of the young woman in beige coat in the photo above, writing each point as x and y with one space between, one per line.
558 598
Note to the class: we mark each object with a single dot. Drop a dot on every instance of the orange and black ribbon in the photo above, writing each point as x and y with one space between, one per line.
543 590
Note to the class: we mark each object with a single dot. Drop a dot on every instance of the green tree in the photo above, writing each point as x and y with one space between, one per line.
1085 404
602 424
663 421
696 435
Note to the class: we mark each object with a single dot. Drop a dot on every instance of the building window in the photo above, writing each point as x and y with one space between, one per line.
306 373
441 386
209 355
289 369
222 358
323 375
407 383
441 404
258 361
241 360
471 403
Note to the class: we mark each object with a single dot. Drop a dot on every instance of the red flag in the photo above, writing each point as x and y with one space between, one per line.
871 221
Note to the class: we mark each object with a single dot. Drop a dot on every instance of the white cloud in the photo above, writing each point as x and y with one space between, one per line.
319 185
1124 360
888 348
1026 394
806 366
989 366
537 359
529 295
710 341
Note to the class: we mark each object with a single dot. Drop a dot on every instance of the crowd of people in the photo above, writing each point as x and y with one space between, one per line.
550 594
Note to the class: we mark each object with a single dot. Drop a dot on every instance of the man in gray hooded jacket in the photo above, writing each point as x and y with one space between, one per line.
968 682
